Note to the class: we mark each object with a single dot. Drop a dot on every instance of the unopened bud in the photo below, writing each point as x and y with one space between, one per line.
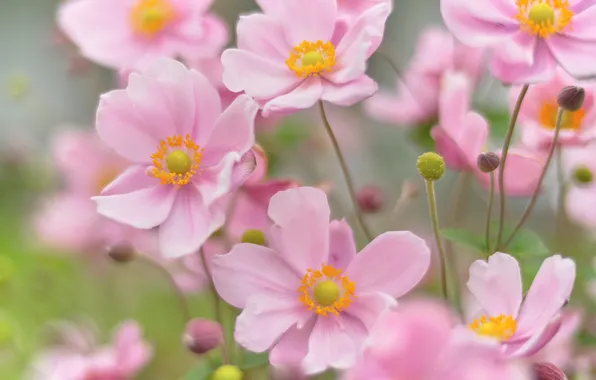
227 372
548 371
583 175
431 166
488 162
122 252
202 335
370 199
571 98
254 236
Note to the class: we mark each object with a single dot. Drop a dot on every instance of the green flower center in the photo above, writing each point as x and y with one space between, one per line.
312 58
326 293
542 13
178 162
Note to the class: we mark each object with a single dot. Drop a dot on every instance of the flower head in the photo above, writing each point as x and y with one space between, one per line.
309 298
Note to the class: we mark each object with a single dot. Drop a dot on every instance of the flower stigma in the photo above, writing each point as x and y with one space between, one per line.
176 160
326 291
569 120
502 327
149 17
543 17
311 58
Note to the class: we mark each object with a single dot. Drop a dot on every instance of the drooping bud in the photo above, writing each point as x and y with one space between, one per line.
488 162
122 252
431 166
583 175
548 371
227 372
571 98
202 335
370 199
254 236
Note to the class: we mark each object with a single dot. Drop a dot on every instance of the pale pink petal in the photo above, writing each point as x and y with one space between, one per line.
303 23
132 352
201 37
368 307
549 292
370 23
262 35
207 105
393 262
574 55
243 170
216 181
302 218
497 284
522 172
538 341
454 101
342 247
259 269
541 69
292 346
350 93
583 25
302 97
132 179
351 54
580 205
455 158
269 6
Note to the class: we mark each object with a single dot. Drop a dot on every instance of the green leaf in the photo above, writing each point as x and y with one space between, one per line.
290 134
201 372
421 136
466 238
499 122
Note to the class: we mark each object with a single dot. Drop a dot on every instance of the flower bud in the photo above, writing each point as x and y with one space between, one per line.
202 335
122 252
431 166
254 236
583 175
227 372
488 162
370 199
548 371
571 98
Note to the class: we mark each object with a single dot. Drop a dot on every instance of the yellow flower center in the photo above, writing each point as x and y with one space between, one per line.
544 17
176 161
149 17
326 291
570 120
502 327
311 58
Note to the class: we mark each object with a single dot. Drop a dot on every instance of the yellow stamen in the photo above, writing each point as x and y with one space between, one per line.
176 161
312 58
544 17
502 327
149 17
570 120
326 291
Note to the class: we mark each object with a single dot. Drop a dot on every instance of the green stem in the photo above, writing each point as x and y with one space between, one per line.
508 137
560 217
432 205
530 206
491 196
346 173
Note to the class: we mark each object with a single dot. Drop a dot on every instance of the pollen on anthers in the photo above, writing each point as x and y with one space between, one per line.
176 161
501 327
544 17
326 291
149 17
311 58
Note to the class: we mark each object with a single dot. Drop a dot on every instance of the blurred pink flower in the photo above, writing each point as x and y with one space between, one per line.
310 299
462 135
123 359
127 33
522 328
580 198
528 38
417 342
291 59
538 114
184 149
417 96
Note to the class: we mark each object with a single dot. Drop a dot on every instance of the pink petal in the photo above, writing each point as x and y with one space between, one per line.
342 247
216 181
262 35
259 76
454 101
538 341
302 218
145 208
207 105
351 54
350 93
497 285
574 55
368 307
233 132
393 263
541 69
583 25
549 292
260 270
308 23
292 346
580 205
132 179
455 158
133 353
244 169
302 97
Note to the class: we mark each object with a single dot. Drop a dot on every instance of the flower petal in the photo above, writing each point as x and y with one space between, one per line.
308 23
292 346
216 181
349 93
584 27
393 262
302 97
580 204
342 247
574 55
132 179
542 68
207 110
262 34
368 307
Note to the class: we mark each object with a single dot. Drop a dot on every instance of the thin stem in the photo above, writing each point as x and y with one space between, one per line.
530 206
432 205
560 217
346 173
508 137
491 196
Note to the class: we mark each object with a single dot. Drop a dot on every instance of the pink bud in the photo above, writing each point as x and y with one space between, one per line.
548 371
202 335
370 199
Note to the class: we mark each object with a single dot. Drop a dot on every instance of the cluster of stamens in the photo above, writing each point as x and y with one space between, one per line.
312 58
502 327
176 161
326 291
544 17
149 17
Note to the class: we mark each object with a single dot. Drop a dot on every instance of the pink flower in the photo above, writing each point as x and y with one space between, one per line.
184 149
463 134
528 38
538 114
560 350
123 359
127 33
417 97
291 59
310 298
521 328
417 342
580 199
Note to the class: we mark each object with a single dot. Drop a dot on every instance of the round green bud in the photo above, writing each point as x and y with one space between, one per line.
254 236
431 166
583 175
227 372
